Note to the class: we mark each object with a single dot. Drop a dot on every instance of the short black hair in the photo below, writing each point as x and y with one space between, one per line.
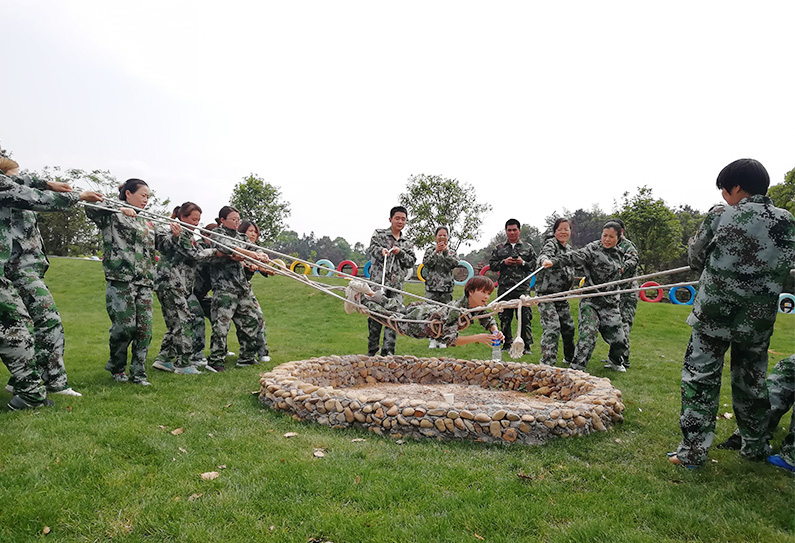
509 222
224 213
441 228
558 222
132 185
746 173
619 221
612 223
398 209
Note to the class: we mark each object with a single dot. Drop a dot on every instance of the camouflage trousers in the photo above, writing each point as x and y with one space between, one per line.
628 305
557 323
701 377
781 387
48 333
238 306
178 340
17 345
506 318
599 318
374 331
262 339
130 310
200 309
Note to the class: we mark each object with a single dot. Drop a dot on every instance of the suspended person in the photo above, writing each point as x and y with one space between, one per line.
179 256
391 256
200 301
556 320
232 297
513 261
602 262
476 294
17 344
628 301
744 251
438 265
251 230
128 244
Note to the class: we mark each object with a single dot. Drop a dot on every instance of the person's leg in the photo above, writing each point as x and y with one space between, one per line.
701 375
167 296
586 342
612 330
143 333
390 336
781 391
120 304
550 324
566 329
224 305
506 318
247 327
628 304
197 328
750 397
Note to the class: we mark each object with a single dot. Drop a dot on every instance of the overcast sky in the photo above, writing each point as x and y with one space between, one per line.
539 105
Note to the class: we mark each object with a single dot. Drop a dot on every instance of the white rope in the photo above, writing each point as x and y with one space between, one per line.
504 294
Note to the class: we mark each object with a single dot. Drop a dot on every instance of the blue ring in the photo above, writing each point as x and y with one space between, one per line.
367 268
781 298
470 271
326 264
532 281
672 295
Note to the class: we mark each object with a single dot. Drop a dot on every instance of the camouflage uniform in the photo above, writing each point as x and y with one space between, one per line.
396 268
16 326
744 253
556 318
781 387
628 302
174 285
431 312
438 268
128 244
200 303
508 277
233 301
262 340
599 314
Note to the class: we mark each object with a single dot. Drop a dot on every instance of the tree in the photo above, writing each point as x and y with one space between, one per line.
783 195
433 201
261 202
653 228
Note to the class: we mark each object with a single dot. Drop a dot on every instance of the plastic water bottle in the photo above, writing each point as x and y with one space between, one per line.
496 351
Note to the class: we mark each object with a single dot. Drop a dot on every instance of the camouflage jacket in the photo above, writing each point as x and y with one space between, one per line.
601 265
128 244
396 265
438 268
227 274
744 253
510 275
19 193
179 257
631 260
557 279
450 329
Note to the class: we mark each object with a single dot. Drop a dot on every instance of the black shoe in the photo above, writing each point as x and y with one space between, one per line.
18 404
372 353
527 350
386 353
732 444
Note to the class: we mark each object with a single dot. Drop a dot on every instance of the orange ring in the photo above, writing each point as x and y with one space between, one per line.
650 285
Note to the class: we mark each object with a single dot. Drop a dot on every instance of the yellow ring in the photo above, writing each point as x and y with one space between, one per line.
419 272
295 263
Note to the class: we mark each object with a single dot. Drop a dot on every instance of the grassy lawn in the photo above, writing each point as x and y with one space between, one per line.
107 466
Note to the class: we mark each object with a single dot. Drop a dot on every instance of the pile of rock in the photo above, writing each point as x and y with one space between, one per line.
322 389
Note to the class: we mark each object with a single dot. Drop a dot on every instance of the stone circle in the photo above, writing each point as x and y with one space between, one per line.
403 396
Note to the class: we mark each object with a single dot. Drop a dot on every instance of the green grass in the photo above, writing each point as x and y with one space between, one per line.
101 468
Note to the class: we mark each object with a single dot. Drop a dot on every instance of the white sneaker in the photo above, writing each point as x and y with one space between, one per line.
230 353
264 358
187 370
432 344
67 392
615 367
163 365
9 388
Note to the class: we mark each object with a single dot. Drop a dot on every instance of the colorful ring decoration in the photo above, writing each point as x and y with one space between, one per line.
675 301
581 283
485 269
278 263
650 285
325 264
787 308
354 267
532 281
367 269
419 272
296 263
470 271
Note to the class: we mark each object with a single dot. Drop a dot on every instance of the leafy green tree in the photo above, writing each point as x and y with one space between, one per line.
653 228
433 201
783 194
261 203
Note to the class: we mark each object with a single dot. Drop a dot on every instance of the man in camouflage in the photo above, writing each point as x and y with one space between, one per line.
514 261
390 251
628 301
744 251
438 265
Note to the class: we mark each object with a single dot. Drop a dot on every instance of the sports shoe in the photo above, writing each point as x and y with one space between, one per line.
120 377
164 366
264 358
776 460
18 404
66 392
187 370
615 367
199 362
215 368
528 350
244 363
230 353
432 344
734 443
673 459
142 382
9 388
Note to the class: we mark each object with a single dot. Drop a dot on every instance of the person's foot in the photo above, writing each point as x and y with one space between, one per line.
187 370
230 353
387 353
199 362
244 363
432 344
732 444
66 392
215 368
120 377
673 459
18 404
615 367
9 388
143 382
372 353
777 461
163 365
264 358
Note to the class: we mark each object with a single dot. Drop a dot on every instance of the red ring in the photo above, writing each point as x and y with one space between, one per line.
354 267
650 285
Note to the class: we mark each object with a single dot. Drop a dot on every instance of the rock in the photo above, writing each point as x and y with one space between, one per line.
509 435
452 414
495 428
426 423
348 414
482 417
579 422
408 412
498 415
440 424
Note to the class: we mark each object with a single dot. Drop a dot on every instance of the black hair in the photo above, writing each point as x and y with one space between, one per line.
612 223
441 228
132 185
185 210
245 225
224 213
746 173
558 222
398 209
619 221
479 282
509 222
